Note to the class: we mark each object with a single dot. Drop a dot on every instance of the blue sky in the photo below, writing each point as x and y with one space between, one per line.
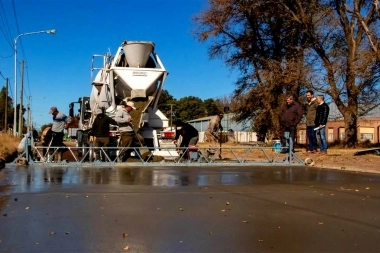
58 67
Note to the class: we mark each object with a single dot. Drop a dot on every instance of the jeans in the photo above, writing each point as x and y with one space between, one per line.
292 133
312 138
321 135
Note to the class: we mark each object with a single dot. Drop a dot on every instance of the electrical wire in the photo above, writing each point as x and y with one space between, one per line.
6 31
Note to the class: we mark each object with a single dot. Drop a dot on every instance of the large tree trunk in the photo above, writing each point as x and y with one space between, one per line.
351 131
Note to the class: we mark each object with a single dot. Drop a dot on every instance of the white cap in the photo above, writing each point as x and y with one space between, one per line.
131 104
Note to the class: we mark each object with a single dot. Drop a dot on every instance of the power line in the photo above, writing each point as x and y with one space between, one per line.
1 74
6 33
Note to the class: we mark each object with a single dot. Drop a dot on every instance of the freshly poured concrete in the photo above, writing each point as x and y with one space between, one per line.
190 209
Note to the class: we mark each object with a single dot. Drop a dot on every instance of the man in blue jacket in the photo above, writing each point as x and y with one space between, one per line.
320 123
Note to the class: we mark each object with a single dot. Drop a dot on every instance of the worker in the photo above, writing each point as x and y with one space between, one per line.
99 134
60 122
21 145
127 133
188 133
212 133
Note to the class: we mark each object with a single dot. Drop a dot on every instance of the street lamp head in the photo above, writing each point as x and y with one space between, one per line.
52 31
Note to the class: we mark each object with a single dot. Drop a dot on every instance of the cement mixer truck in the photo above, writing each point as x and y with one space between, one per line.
135 73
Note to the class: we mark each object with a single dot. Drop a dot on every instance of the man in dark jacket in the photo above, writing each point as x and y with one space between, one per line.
188 133
311 110
291 115
320 123
99 134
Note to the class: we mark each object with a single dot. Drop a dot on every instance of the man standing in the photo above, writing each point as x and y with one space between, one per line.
291 115
127 133
188 133
321 118
212 132
60 122
311 110
100 132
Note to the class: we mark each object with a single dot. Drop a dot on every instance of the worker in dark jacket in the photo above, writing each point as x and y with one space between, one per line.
99 135
188 133
321 118
291 115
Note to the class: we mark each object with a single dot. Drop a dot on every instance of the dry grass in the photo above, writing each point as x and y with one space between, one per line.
8 146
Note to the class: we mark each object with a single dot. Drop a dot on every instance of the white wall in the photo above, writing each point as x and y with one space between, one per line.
240 136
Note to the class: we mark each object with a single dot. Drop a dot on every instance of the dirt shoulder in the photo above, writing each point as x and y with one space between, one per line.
343 159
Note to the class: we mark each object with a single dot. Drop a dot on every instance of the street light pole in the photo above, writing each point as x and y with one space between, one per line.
52 31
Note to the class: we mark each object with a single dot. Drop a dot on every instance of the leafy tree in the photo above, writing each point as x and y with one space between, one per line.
287 46
212 107
167 104
189 108
4 107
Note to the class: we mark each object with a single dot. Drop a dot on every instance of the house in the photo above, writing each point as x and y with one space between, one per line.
236 132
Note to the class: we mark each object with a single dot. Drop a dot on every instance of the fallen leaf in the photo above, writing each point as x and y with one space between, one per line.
222 210
261 240
181 209
125 235
356 190
244 221
126 248
227 203
367 188
332 194
320 222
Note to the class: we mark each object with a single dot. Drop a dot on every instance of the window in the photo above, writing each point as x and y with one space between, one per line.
366 136
330 134
302 136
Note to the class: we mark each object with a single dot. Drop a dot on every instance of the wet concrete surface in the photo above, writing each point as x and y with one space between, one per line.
189 209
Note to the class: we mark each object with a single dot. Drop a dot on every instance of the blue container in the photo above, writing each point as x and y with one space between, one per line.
277 146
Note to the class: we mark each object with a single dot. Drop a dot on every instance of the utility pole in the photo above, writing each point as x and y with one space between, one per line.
21 96
29 118
6 106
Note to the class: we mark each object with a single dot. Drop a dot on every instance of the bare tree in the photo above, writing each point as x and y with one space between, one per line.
254 37
285 46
